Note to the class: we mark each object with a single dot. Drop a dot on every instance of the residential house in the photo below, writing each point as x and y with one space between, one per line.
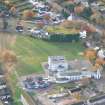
75 92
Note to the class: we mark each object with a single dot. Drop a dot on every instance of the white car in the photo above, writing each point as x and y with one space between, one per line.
34 2
34 31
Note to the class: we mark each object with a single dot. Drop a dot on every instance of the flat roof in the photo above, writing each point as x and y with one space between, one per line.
70 73
55 59
5 91
80 65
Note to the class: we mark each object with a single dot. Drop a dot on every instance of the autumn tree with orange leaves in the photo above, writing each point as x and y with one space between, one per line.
90 54
9 56
79 9
28 14
47 17
40 25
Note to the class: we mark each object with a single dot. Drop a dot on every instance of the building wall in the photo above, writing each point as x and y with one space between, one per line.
88 74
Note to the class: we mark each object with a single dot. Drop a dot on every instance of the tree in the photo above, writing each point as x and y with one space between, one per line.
65 14
90 54
86 13
40 25
4 10
79 9
70 7
47 17
13 10
9 56
4 20
100 61
28 14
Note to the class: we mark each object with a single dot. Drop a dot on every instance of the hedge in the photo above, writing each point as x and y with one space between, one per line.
64 38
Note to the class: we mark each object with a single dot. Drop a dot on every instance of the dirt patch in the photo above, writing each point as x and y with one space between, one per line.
11 39
7 56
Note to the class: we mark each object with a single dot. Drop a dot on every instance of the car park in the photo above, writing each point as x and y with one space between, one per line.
38 83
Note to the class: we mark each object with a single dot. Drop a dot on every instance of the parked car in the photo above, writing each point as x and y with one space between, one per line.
19 28
35 31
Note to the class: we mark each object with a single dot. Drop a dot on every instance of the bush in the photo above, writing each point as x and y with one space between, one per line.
65 14
70 7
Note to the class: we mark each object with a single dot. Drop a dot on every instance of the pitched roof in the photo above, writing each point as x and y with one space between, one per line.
75 90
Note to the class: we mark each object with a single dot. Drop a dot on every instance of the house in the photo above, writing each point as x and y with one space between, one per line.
75 92
57 63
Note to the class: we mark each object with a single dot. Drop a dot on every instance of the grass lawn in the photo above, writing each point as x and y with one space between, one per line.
59 29
32 52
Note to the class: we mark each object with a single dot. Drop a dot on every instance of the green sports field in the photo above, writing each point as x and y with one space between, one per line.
32 52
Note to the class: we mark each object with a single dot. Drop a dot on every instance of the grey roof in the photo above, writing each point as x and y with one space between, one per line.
80 64
5 91
70 73
75 90
97 98
57 59
61 79
79 103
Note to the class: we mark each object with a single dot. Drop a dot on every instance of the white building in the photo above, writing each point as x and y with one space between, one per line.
58 69
78 75
70 18
72 76
57 63
83 34
101 54
97 74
